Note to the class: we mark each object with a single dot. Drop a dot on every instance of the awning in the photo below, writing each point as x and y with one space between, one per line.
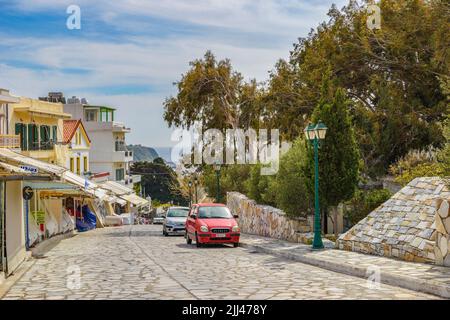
117 200
116 188
13 169
9 172
10 155
134 199
63 173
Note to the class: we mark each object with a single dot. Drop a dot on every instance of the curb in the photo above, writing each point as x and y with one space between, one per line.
45 246
425 286
6 285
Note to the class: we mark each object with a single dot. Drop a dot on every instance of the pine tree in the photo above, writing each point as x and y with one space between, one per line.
338 154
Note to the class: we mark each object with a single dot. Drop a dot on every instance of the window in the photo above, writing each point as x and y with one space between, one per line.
90 115
55 134
78 166
78 138
33 137
120 174
71 165
45 143
21 130
85 163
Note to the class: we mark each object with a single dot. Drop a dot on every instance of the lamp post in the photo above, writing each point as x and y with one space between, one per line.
314 133
217 169
195 185
190 192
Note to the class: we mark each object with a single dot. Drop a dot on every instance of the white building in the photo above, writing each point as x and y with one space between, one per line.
108 153
77 139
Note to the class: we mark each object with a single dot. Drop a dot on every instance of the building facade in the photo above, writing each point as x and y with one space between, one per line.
39 124
78 144
109 153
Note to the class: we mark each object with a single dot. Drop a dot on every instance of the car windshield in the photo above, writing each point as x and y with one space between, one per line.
214 213
180 212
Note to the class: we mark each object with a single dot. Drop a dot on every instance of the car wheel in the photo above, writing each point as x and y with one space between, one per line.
197 243
236 244
188 240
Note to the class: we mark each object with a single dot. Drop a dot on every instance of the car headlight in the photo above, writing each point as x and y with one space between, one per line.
236 229
204 229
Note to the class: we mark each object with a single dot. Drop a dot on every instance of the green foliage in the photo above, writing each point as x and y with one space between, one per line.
289 186
232 178
363 203
397 77
215 95
338 153
431 162
159 181
258 187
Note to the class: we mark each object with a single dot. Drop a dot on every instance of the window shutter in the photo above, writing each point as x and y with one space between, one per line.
55 134
30 136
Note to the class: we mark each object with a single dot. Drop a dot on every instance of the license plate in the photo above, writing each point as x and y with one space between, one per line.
221 235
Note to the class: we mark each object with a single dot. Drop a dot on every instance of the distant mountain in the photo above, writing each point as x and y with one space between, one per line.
165 153
142 153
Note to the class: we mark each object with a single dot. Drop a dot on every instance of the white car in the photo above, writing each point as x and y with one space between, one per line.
175 221
158 219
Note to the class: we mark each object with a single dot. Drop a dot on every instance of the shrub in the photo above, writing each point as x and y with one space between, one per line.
364 202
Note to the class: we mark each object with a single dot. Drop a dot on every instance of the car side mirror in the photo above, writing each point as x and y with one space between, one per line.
194 216
235 216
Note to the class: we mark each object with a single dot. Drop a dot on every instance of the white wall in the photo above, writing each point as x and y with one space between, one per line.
15 225
78 151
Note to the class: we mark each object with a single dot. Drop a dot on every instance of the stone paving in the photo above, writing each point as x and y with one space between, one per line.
137 262
431 278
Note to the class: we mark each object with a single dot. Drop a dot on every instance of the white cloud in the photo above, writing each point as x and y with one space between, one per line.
238 29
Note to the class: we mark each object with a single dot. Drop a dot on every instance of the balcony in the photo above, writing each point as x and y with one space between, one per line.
122 156
10 141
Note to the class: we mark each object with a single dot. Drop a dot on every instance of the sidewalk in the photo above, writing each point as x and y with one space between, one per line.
414 276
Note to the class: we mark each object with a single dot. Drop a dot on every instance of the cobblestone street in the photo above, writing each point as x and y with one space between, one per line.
137 262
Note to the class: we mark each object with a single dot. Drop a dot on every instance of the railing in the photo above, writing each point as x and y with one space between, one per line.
120 146
9 141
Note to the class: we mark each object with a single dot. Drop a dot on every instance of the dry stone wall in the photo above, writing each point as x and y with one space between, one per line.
265 220
410 226
442 222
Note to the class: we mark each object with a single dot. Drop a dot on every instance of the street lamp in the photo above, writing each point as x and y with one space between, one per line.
314 133
190 192
217 167
195 184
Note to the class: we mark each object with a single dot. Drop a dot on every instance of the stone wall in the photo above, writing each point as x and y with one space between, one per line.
265 220
405 226
442 222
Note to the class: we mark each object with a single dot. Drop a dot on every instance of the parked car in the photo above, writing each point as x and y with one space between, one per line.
211 223
158 218
175 221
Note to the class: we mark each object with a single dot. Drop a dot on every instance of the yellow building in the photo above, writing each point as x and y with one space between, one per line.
40 127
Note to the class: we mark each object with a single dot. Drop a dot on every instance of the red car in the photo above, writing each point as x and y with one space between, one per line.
211 223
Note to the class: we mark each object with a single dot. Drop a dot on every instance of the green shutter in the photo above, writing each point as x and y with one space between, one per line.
23 139
36 137
30 137
43 142
55 134
18 129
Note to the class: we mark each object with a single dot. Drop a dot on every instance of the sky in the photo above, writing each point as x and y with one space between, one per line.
128 53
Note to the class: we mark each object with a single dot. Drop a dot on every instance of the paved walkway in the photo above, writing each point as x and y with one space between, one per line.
137 262
415 276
